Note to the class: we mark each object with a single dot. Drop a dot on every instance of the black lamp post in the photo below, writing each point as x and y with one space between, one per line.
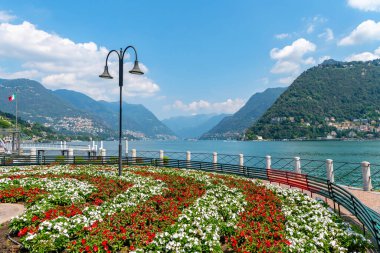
137 71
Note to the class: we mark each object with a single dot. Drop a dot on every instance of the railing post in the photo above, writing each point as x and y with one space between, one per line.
161 157
33 155
330 170
70 154
126 148
188 159
215 160
268 159
297 165
102 152
241 163
366 172
133 156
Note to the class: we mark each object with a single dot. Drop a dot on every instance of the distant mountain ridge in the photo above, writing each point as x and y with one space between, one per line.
136 118
192 127
233 127
38 104
74 113
332 100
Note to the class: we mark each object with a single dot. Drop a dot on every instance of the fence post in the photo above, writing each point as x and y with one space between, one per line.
133 156
102 152
241 162
297 164
161 157
70 154
33 155
188 159
366 172
126 148
330 170
215 160
268 159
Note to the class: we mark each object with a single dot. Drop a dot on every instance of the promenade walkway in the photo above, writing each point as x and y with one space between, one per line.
370 199
8 211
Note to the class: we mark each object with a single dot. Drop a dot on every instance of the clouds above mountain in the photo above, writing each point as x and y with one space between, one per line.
327 35
203 106
290 58
62 63
364 56
366 31
365 5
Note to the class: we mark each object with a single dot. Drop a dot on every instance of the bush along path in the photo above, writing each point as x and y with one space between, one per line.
90 209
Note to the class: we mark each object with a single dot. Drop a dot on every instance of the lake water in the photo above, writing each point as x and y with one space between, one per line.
347 155
347 151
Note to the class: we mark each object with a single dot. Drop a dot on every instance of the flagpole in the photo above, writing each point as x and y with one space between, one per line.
16 107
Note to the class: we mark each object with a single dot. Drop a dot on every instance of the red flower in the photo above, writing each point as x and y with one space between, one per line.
95 248
83 241
22 232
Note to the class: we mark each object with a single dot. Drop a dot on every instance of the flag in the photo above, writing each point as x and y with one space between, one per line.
11 98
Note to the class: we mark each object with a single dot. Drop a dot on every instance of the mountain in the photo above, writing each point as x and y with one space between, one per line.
137 120
233 127
332 100
189 127
75 114
38 104
29 131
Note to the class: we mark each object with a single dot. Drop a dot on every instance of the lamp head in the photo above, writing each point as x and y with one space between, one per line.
136 69
106 74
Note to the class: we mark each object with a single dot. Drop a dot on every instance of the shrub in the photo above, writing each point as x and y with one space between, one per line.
60 159
166 160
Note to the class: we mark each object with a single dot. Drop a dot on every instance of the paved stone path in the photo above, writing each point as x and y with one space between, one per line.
370 199
8 211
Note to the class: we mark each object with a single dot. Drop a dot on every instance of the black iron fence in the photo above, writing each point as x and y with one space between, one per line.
316 185
345 173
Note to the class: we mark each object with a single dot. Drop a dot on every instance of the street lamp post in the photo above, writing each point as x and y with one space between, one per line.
137 71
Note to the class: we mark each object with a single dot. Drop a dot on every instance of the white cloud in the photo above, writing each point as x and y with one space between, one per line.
61 63
282 36
291 58
364 56
365 5
6 17
203 106
328 35
286 80
314 22
324 58
310 28
367 31
285 67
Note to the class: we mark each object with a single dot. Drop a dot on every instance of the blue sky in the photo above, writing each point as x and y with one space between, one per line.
201 56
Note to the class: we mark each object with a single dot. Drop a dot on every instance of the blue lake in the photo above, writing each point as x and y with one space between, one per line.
347 155
347 151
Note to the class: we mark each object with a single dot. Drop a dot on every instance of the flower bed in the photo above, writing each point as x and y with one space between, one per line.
147 209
